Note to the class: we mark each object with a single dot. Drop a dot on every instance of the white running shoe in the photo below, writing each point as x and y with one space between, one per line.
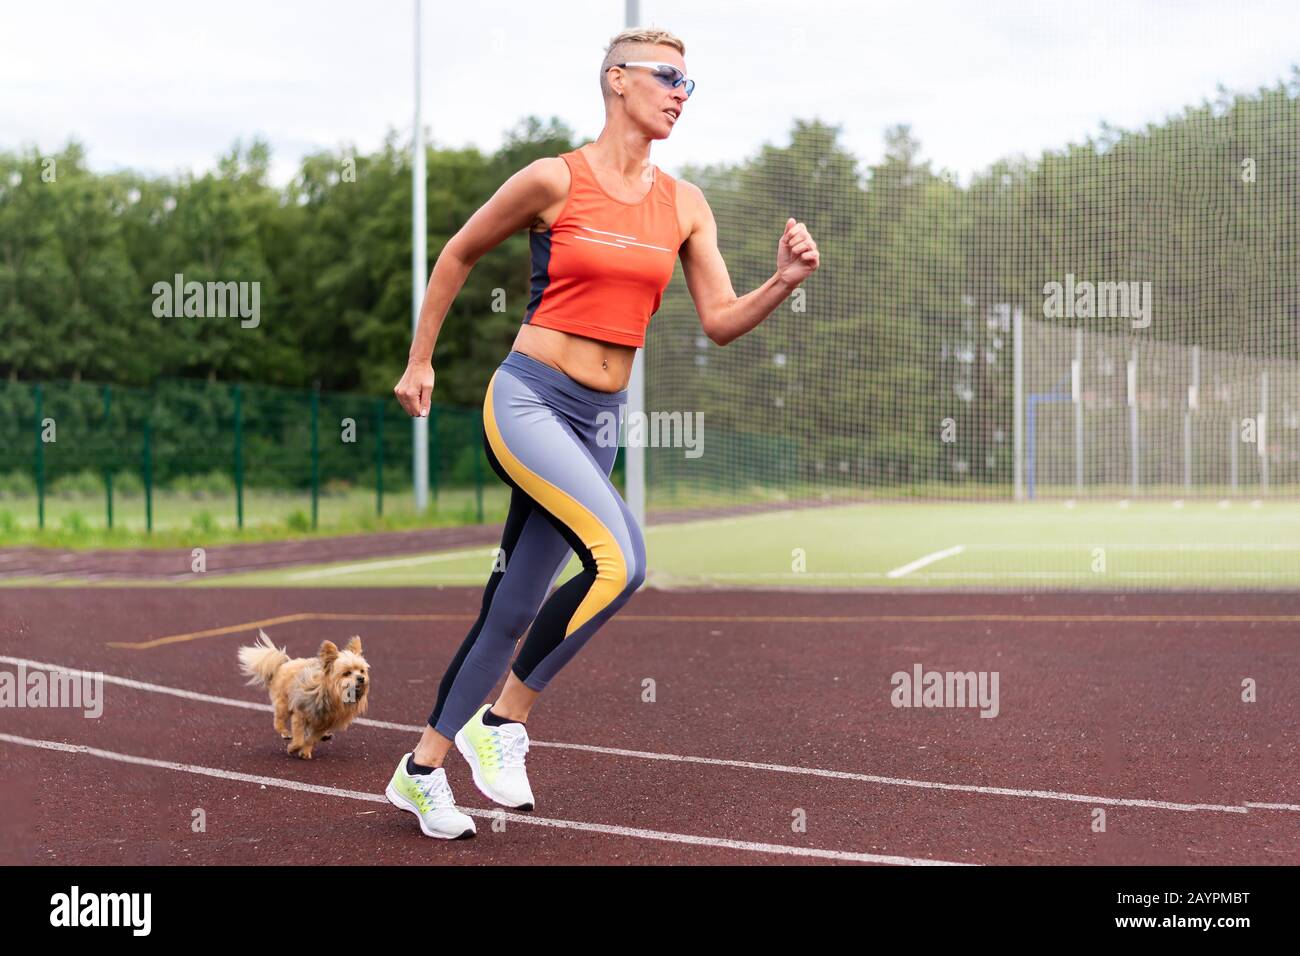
428 796
495 755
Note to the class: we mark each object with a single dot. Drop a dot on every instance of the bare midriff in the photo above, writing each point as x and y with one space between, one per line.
603 366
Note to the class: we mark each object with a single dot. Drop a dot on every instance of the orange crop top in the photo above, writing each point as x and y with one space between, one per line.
601 269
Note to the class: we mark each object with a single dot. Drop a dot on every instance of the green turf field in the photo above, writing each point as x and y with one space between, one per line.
1099 545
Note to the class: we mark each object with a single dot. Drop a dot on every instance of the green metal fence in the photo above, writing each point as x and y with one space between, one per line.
232 444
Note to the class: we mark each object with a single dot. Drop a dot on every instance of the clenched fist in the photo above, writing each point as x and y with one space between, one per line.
796 254
415 389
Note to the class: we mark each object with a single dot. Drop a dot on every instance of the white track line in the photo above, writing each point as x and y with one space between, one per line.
709 761
928 559
364 566
921 784
178 692
634 832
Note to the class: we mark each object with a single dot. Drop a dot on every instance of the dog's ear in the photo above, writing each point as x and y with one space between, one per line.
328 653
354 645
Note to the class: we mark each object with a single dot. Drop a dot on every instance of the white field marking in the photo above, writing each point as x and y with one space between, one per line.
1293 807
709 761
727 519
634 832
390 563
928 559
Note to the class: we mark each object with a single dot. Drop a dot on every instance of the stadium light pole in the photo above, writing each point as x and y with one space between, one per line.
634 461
419 277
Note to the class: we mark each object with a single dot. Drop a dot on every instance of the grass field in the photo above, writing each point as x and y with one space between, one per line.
1094 545
80 521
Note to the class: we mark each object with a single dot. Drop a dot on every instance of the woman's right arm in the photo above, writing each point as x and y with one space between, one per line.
514 206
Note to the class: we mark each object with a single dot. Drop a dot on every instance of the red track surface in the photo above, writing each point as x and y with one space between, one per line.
1116 709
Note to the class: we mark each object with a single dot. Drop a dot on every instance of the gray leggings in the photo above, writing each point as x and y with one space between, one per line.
553 441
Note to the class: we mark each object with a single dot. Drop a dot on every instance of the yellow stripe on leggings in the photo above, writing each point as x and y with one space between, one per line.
611 567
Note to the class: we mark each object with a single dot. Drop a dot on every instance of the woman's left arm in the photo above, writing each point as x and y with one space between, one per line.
725 316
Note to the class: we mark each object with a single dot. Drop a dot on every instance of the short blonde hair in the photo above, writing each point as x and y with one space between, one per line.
620 45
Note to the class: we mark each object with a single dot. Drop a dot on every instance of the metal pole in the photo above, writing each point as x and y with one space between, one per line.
1261 431
1018 400
1134 450
1193 393
1233 441
419 274
1031 448
634 458
1076 395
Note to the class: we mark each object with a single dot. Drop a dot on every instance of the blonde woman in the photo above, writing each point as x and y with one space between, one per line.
606 227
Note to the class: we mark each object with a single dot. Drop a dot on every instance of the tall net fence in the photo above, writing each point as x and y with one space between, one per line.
1155 276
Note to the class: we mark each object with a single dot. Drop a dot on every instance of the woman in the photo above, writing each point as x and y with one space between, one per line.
606 226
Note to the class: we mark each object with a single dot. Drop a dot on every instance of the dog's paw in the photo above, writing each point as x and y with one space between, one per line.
328 737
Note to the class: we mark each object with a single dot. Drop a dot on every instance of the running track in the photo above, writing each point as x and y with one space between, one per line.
781 702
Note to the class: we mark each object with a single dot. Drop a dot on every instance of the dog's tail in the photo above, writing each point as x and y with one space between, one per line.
262 660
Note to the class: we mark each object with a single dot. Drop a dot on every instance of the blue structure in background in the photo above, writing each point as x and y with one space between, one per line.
1031 429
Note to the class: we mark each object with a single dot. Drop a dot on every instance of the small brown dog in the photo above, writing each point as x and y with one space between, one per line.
312 696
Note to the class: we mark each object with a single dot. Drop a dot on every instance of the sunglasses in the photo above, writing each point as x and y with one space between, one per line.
665 73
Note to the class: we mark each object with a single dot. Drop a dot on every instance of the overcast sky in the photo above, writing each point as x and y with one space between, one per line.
165 86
